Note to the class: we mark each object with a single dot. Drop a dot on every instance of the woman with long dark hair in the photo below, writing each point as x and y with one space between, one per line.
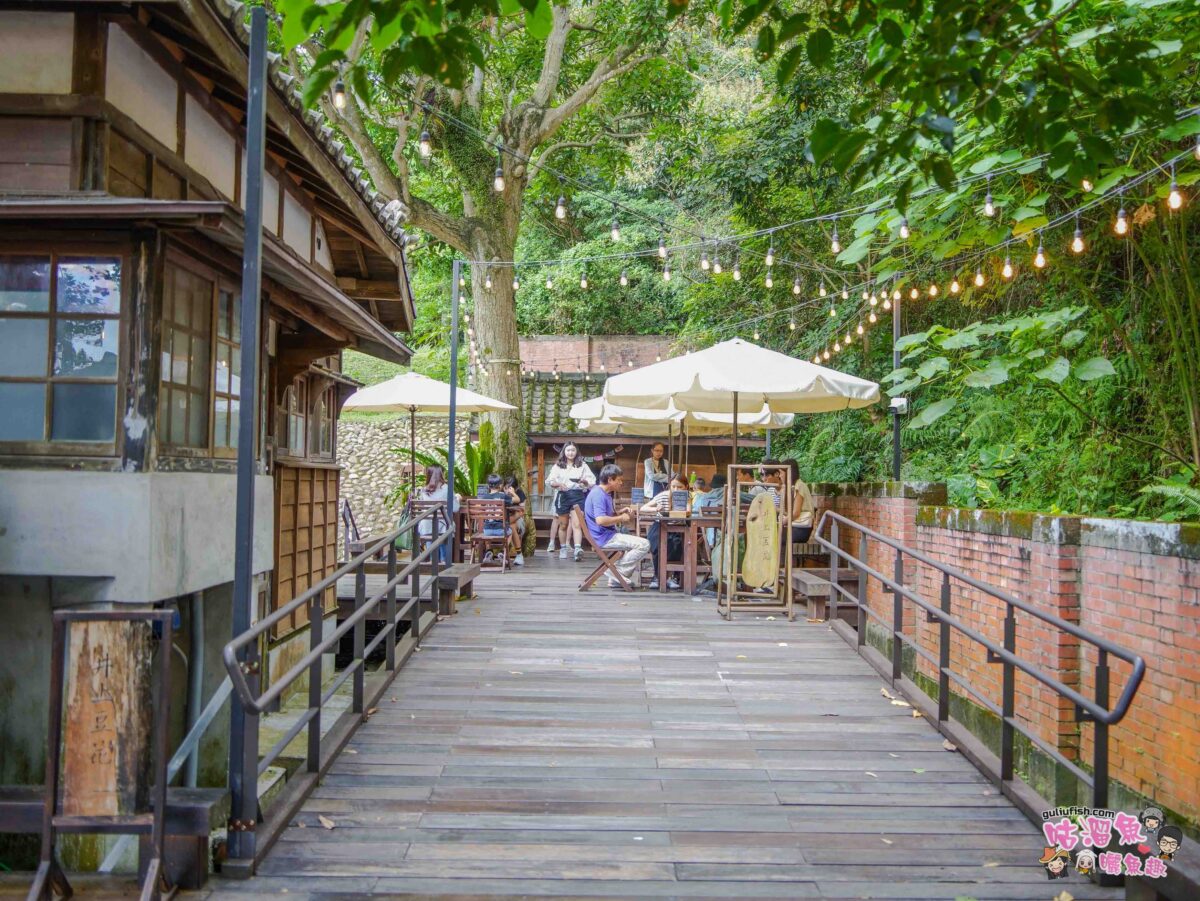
435 489
571 478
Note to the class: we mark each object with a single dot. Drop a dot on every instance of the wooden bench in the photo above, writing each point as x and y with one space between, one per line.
192 814
813 584
452 583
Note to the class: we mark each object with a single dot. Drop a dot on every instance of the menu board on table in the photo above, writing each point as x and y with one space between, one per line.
637 496
481 490
679 503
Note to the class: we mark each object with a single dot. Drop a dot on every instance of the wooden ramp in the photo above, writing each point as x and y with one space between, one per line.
545 743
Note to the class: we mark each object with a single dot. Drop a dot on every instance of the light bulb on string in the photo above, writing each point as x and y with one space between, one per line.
822 290
865 294
913 293
873 299
837 347
549 283
860 328
624 278
756 335
771 254
425 145
666 272
1087 185
498 180
1077 245
658 358
835 246
487 279
768 281
871 317
1007 271
737 269
462 281
904 230
717 268
339 94
704 264
1121 226
615 231
887 304
845 294
933 290
791 324
662 249
846 341
989 208
560 208
1039 258
796 285
825 355
583 282
516 282
895 296
1196 149
817 359
955 287
978 277
1174 199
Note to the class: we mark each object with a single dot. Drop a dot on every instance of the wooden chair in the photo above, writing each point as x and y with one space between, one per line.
418 507
608 559
480 511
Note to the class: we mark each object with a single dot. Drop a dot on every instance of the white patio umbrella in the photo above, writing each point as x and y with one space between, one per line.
737 374
414 393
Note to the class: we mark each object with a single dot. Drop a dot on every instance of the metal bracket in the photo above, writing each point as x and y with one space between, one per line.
931 617
993 657
1082 716
242 825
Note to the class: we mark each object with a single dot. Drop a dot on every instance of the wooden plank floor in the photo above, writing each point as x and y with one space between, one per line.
545 743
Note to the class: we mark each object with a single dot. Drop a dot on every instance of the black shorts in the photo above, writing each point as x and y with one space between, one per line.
801 534
568 500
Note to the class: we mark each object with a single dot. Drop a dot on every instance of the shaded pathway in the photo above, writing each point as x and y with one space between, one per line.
546 743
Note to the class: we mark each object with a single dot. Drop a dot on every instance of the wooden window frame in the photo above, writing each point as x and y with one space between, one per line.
328 394
57 251
235 350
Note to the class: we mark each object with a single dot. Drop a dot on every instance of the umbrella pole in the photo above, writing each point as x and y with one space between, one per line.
412 445
735 429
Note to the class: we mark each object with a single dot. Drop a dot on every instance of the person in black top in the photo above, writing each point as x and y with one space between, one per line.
494 528
516 517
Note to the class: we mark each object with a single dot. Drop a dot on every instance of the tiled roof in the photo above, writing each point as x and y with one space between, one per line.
388 214
547 399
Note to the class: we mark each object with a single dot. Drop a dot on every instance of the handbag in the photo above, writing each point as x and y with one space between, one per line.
404 541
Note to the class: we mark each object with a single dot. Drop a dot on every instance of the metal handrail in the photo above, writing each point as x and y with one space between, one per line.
240 656
1096 711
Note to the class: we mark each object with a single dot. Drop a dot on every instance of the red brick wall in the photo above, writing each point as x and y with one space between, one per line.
1136 584
583 353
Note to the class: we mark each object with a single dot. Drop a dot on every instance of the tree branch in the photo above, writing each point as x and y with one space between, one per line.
552 57
621 61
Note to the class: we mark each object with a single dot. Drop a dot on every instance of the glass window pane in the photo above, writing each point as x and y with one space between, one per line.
237 319
197 422
200 362
221 373
220 422
23 346
235 367
84 413
178 417
24 409
179 358
24 284
234 408
86 347
91 285
223 304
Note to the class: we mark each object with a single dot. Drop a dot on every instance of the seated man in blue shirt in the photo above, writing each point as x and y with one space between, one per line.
600 518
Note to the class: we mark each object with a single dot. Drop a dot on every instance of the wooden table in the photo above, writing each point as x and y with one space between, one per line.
692 529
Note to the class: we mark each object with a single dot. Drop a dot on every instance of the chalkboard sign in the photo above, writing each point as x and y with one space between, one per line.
481 490
679 503
637 496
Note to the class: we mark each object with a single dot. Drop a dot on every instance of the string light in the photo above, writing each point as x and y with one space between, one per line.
825 355
872 317
583 282
1039 259
989 208
796 285
873 299
835 246
978 277
498 180
895 296
1007 271
737 269
1121 226
717 262
756 336
913 293
1077 241
666 272
462 281
1174 199
887 304
769 282
771 254
817 359
624 278
847 340
662 249
837 347
516 285
860 328
1196 149
339 94
560 208
704 264
904 232
845 294
832 312
791 324
955 287
487 279
822 291
425 145
549 283
933 290
615 232
1087 186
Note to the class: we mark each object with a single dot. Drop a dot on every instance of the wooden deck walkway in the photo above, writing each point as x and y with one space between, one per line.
550 744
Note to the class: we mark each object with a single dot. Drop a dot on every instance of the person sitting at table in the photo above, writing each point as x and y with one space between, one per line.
803 508
434 489
657 506
657 476
698 488
601 520
498 528
516 517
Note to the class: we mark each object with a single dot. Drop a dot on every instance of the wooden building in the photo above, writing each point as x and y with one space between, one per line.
122 173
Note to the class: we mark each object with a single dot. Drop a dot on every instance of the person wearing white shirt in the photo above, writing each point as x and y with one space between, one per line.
570 478
658 475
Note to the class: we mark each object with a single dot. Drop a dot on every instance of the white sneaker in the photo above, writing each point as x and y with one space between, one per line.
519 560
652 585
550 548
673 583
563 552
578 553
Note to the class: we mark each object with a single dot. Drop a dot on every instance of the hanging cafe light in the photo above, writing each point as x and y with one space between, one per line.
978 277
662 249
704 264
796 285
904 230
768 281
1121 226
1039 258
989 208
835 246
624 278
737 268
955 287
339 94
425 145
1007 271
583 282
771 255
560 209
615 231
1077 242
498 180
487 278
717 261
549 283
1174 199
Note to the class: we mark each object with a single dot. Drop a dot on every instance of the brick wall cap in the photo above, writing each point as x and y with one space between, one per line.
922 492
1041 527
1164 539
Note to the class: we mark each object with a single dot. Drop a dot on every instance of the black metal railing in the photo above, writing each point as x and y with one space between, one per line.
1094 710
241 656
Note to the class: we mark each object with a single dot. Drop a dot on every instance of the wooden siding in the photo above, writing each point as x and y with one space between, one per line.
35 155
305 536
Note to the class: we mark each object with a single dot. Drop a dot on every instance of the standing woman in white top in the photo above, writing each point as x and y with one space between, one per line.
571 478
658 476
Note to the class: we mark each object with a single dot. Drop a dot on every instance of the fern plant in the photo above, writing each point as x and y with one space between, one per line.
480 463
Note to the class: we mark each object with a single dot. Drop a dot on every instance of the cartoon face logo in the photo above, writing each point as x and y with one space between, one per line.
1055 860
1169 840
1085 861
1152 819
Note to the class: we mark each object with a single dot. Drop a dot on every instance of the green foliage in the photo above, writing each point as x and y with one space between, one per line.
470 470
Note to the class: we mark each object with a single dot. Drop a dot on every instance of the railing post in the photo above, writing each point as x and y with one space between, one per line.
415 595
1008 698
897 620
862 591
1100 737
435 558
944 654
360 634
390 644
833 572
315 629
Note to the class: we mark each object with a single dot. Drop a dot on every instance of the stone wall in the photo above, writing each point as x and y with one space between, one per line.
371 471
1136 584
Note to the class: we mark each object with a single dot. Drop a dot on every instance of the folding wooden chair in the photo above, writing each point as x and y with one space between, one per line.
415 509
480 511
608 559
